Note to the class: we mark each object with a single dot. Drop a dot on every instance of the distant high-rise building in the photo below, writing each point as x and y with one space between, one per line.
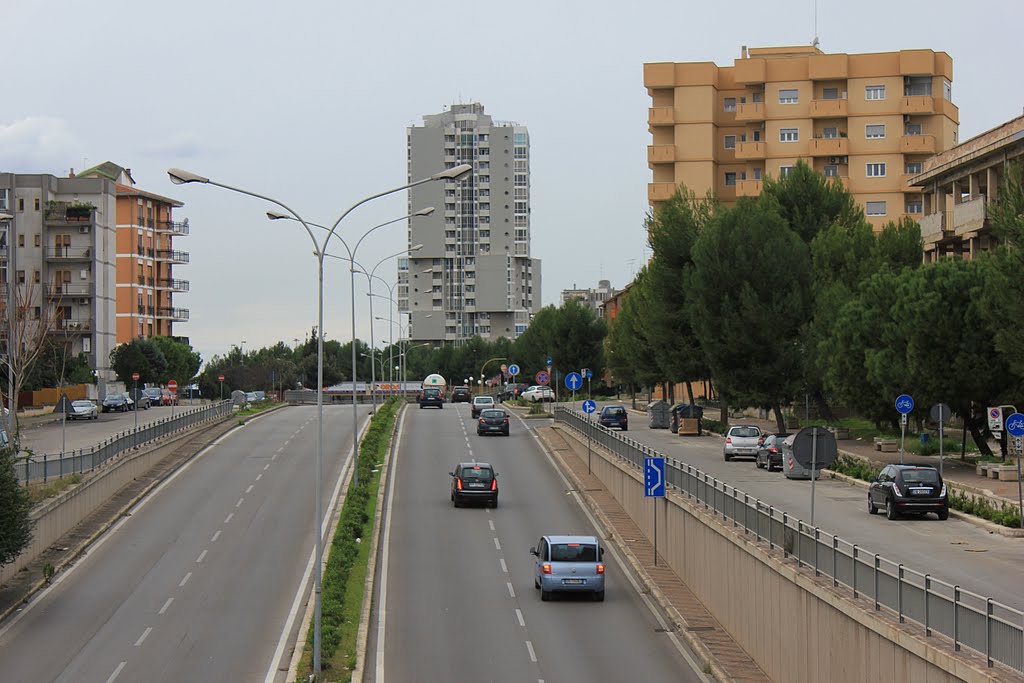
594 298
869 120
474 274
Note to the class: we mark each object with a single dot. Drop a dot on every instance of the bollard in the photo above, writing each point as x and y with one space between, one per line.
835 555
816 536
988 632
877 607
854 571
899 592
956 619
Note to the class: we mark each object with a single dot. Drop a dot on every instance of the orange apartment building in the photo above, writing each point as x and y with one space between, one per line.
146 257
870 120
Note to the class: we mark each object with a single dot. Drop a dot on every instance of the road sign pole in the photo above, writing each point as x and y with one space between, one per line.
941 431
814 465
903 434
1020 491
655 508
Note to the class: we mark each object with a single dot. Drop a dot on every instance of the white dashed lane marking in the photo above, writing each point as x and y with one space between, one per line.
239 503
497 543
503 567
533 655
491 523
511 590
149 629
202 556
519 616
166 605
215 537
117 671
185 580
249 490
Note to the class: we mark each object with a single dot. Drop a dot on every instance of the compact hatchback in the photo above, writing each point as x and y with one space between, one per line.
569 564
479 403
474 482
742 440
614 416
461 395
769 453
492 421
431 396
908 489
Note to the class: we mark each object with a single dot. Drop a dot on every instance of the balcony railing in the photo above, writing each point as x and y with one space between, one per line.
828 108
68 289
659 192
173 227
829 147
660 116
750 111
69 253
72 325
172 255
173 285
177 314
917 104
748 188
750 150
68 212
661 154
970 215
932 226
917 144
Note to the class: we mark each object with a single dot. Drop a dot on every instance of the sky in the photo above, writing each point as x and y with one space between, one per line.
308 102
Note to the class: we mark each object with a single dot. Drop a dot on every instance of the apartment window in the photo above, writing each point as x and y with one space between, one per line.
36 204
730 179
21 240
832 171
829 133
36 278
915 206
789 134
789 96
830 94
874 92
785 171
756 135
757 174
21 203
947 92
38 239
730 104
86 344
876 170
917 86
520 152
519 138
915 129
730 142
3 199
873 131
875 208
914 167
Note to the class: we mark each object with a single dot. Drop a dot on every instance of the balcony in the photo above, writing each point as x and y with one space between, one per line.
933 226
68 212
969 216
68 290
748 188
173 227
750 111
750 150
175 314
71 326
821 109
145 310
64 254
661 154
172 285
172 256
917 104
146 281
145 252
830 147
828 67
660 116
660 192
917 144
751 70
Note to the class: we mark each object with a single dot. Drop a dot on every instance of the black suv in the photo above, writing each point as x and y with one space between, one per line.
431 397
908 489
474 481
461 395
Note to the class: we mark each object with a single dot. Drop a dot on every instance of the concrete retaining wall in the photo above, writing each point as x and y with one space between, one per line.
795 627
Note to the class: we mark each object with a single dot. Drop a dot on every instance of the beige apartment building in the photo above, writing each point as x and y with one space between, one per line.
870 120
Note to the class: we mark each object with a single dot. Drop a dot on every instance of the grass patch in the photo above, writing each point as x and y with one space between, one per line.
40 492
345 575
855 467
254 408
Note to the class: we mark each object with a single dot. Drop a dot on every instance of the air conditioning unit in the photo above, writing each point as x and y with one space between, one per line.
84 229
833 160
844 160
83 301
906 118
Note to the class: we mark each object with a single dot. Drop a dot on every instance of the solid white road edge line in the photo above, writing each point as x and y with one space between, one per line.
385 545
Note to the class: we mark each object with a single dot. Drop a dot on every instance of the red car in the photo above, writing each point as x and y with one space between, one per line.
168 398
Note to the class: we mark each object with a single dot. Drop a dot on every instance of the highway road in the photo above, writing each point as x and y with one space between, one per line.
199 582
954 551
456 600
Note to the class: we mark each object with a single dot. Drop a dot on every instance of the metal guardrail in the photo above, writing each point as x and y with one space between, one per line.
48 466
990 628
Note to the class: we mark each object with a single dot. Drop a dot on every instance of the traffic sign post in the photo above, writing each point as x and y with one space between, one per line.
814 447
172 387
542 378
513 369
220 378
135 399
1015 427
654 487
573 381
589 407
904 404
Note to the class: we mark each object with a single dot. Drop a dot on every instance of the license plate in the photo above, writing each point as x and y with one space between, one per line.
573 582
475 486
920 492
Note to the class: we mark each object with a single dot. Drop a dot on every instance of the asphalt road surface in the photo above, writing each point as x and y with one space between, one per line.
457 601
954 551
198 583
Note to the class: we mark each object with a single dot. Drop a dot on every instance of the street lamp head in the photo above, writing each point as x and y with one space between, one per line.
453 173
180 176
424 212
277 216
6 217
416 248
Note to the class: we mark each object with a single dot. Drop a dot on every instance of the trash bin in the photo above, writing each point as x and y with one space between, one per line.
657 414
924 438
674 417
689 419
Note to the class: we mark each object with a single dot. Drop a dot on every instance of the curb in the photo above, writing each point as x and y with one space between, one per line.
84 545
676 619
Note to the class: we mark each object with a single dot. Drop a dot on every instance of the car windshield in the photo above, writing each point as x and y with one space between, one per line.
477 473
494 414
431 392
483 399
82 404
922 476
573 552
747 432
615 410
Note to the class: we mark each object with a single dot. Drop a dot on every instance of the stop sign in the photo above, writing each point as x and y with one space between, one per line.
220 378
172 385
135 376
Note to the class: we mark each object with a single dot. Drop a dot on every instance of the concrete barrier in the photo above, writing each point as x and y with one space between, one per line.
796 626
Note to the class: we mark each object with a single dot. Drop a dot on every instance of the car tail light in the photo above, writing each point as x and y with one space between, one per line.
760 441
773 449
458 483
494 484
505 421
728 439
942 493
483 421
600 568
896 489
545 568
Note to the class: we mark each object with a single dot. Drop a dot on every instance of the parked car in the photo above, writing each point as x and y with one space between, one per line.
168 397
769 453
155 395
614 416
83 410
569 564
908 489
140 398
741 440
538 393
474 481
512 391
479 403
461 395
116 403
492 421
431 396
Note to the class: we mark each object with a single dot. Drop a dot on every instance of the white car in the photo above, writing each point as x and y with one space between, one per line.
83 410
538 393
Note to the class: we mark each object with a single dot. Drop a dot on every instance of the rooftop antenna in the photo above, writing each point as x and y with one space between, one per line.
815 41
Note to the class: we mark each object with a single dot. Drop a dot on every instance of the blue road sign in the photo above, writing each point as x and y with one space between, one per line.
543 378
589 406
573 381
587 373
904 403
549 362
654 477
1015 424
513 369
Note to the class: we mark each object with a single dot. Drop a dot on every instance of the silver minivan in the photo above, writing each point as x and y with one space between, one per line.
569 564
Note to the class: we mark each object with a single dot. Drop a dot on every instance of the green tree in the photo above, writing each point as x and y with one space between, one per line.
809 202
182 362
632 359
15 506
571 334
1004 298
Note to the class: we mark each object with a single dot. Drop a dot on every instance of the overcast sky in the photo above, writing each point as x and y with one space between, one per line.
308 101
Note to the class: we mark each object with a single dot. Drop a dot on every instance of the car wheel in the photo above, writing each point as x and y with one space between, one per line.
944 514
727 457
872 510
455 502
625 429
598 596
757 462
545 595
536 583
494 503
421 406
890 510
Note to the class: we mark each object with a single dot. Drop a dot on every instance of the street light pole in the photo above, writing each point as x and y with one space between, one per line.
178 177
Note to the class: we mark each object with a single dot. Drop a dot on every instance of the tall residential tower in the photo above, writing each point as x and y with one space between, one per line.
474 274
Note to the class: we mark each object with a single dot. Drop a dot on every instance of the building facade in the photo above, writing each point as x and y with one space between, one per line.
594 299
870 120
474 274
959 185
